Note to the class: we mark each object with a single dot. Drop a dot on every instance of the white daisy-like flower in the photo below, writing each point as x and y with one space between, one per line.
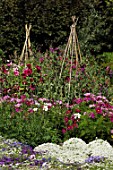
77 115
45 108
35 109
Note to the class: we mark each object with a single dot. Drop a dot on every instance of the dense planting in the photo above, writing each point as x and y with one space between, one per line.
37 104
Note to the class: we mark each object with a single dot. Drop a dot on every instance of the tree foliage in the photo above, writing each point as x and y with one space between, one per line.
51 20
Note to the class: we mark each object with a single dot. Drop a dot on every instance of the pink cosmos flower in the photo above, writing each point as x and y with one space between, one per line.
59 101
104 114
17 109
16 73
111 118
111 131
6 97
91 105
87 94
9 64
78 101
12 99
43 99
18 100
18 105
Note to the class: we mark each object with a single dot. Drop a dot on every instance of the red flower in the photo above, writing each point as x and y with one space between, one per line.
72 117
24 82
28 103
75 125
70 127
31 79
32 87
41 80
23 97
77 110
67 79
4 70
38 68
66 120
29 66
68 112
27 72
98 110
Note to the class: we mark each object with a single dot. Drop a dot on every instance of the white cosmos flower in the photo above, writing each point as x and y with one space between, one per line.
45 108
35 109
77 115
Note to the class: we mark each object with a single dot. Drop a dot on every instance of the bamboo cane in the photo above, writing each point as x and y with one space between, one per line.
24 50
72 48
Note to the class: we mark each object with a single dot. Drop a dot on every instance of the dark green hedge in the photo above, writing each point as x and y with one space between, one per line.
51 20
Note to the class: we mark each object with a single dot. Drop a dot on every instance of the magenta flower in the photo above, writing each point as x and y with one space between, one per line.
17 109
30 110
92 115
9 64
16 73
32 87
41 59
63 131
78 101
23 97
27 72
70 127
98 110
66 120
4 70
18 105
38 69
111 117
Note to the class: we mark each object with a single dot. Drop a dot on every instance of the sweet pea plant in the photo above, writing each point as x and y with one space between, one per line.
89 117
34 101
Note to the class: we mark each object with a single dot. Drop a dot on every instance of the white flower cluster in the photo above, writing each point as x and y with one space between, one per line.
76 150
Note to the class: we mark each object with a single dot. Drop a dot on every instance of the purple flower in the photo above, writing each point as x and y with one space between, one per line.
93 159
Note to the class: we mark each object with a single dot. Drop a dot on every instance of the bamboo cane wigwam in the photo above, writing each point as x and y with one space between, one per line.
72 50
26 51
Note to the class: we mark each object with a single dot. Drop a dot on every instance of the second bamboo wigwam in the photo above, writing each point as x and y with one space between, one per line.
72 51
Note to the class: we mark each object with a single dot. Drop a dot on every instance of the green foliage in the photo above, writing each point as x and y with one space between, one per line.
107 60
92 117
95 28
35 101
32 128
